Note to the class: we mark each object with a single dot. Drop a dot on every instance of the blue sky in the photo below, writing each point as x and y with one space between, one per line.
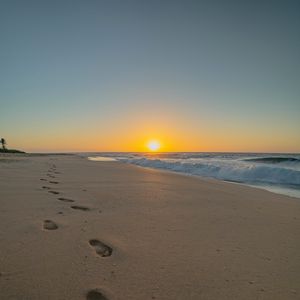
89 73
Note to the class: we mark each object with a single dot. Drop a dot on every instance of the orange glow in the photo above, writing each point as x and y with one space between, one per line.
173 132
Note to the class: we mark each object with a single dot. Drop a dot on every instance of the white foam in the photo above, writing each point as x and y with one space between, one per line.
265 171
232 170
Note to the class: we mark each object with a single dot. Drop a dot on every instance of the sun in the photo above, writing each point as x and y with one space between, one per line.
153 145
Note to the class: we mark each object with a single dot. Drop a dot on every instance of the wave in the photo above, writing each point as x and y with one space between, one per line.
231 170
274 160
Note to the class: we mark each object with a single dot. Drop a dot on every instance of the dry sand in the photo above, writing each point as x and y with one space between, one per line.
77 229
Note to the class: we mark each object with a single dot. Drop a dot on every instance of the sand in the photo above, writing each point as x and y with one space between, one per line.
77 229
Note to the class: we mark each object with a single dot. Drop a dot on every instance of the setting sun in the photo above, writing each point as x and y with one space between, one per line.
153 145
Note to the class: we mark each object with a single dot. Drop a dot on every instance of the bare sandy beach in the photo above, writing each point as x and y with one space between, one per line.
77 229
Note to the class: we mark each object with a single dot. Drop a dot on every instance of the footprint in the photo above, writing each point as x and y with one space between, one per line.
101 249
46 187
66 200
50 225
95 295
42 179
53 192
54 182
80 207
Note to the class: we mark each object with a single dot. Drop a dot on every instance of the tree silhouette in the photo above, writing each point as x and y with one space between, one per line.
3 142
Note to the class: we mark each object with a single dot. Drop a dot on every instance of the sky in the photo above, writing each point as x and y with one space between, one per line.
106 75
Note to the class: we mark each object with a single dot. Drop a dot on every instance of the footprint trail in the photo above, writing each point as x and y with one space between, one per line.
101 248
50 225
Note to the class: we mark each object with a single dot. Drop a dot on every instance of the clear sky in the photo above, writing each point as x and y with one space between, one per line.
105 75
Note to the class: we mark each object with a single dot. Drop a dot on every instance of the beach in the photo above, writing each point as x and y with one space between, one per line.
78 229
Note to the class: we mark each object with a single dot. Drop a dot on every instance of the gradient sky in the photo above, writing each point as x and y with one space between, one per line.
105 75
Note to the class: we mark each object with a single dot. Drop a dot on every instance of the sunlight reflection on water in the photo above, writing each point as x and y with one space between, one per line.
102 158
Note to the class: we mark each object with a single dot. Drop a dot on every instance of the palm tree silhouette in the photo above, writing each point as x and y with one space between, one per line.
3 142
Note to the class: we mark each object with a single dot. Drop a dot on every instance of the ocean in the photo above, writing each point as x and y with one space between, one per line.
279 173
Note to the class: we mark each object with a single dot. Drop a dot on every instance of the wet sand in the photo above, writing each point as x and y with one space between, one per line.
77 229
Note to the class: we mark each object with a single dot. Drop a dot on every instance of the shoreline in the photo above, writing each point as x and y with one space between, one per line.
275 189
212 180
74 229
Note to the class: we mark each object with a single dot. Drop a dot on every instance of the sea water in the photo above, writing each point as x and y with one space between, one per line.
279 173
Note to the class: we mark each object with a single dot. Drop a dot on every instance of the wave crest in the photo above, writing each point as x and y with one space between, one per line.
239 171
274 160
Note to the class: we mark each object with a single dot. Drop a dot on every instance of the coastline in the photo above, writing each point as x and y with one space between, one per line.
212 180
172 236
276 173
272 189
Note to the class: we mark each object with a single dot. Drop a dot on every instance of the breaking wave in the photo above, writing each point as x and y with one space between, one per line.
239 171
276 172
274 160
